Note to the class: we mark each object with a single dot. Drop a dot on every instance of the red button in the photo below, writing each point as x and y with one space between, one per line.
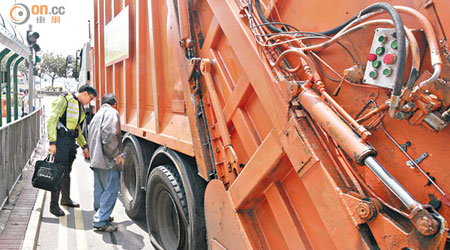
389 58
372 57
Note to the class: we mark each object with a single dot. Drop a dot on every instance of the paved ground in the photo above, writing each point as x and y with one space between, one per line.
75 230
16 213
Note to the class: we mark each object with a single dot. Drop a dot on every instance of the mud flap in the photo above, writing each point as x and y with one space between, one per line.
224 230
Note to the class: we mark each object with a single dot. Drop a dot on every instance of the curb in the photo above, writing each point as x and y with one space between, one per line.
34 224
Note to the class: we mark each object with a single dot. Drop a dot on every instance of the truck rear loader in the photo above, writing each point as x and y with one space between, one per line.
281 124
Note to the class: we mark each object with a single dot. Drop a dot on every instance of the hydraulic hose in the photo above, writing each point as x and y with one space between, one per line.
436 60
264 19
400 32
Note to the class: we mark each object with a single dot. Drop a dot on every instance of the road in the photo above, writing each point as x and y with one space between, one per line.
75 231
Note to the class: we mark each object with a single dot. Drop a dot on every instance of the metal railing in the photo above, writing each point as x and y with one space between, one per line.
17 140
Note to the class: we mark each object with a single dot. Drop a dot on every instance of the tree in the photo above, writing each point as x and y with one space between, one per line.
53 65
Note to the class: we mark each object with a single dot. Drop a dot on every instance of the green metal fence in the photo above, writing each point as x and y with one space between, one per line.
6 104
18 139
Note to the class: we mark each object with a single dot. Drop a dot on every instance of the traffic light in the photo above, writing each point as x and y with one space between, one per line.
37 59
36 47
31 39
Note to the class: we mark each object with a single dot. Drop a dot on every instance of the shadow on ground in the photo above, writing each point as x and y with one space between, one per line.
122 237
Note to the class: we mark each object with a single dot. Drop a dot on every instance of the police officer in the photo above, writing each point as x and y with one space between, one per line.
64 127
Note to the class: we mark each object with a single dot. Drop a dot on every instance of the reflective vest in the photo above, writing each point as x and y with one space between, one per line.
74 113
69 112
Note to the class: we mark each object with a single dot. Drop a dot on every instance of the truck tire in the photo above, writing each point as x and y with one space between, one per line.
133 197
166 209
174 203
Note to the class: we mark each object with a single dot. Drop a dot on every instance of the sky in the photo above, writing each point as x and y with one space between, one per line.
63 38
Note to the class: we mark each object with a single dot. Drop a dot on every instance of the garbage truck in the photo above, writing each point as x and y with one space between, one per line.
280 124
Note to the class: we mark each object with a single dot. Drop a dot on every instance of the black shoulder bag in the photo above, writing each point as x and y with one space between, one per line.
48 175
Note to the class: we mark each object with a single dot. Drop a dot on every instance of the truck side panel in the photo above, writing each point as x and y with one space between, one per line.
147 84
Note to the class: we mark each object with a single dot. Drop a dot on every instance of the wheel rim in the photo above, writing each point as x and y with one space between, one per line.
168 226
168 221
129 176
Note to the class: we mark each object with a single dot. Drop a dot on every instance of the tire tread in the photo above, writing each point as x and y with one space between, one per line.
175 180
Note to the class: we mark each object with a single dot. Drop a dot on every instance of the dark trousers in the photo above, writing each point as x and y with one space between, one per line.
66 150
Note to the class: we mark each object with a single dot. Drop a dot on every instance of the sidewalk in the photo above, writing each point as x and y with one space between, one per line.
15 215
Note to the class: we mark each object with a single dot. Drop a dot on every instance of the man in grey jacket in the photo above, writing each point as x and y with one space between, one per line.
105 144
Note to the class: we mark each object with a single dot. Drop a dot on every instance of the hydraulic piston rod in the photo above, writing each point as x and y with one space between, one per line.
390 182
422 220
363 154
425 223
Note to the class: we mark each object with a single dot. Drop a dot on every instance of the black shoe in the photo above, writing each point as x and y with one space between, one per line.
55 210
69 203
108 228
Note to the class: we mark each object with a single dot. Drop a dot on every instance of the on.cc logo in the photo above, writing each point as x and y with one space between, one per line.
19 13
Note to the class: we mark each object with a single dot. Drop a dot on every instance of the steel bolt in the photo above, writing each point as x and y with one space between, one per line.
364 210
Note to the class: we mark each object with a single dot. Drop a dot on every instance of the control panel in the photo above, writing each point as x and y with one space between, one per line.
382 59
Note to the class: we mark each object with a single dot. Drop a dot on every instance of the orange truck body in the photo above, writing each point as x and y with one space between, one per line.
284 152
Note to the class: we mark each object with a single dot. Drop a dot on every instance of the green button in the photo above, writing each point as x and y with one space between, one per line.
387 72
382 39
373 74
376 64
394 44
379 51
